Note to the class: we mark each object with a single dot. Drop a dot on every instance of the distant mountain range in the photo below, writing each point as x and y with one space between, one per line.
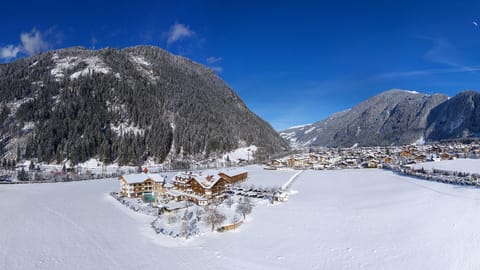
122 106
394 117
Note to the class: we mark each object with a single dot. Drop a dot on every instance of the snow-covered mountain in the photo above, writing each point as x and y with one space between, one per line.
122 105
458 117
393 117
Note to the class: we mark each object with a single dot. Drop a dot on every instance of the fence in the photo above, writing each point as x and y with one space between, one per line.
229 227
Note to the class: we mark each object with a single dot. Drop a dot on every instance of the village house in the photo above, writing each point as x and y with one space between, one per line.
234 176
444 156
276 163
139 185
280 196
420 158
405 154
388 160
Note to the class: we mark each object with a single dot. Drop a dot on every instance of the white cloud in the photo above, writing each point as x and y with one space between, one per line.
31 43
442 52
179 31
217 69
9 51
445 53
424 72
213 60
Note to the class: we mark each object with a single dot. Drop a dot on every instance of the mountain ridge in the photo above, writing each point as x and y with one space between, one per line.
392 117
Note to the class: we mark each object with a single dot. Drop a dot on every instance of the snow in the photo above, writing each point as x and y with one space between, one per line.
94 65
461 165
299 126
91 163
259 177
412 92
310 130
291 137
288 135
309 141
242 153
290 181
143 66
140 60
28 126
124 128
34 64
141 177
234 171
420 141
62 65
350 219
13 106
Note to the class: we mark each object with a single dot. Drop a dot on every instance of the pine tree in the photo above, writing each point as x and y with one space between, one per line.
31 167
18 153
22 175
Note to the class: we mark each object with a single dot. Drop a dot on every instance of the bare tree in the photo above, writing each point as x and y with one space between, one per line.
213 217
198 213
185 228
235 220
188 204
172 219
185 215
229 201
244 206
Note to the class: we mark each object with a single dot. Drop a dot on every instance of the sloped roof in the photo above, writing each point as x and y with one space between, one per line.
141 177
234 172
207 184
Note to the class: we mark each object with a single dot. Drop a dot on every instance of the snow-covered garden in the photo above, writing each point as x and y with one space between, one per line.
186 219
193 220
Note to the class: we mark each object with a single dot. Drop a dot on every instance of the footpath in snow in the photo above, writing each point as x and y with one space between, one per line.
288 184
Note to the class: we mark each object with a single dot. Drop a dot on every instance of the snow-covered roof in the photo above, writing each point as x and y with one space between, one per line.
205 183
234 172
141 177
201 177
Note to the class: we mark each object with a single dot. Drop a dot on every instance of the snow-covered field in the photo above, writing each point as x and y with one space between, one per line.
352 219
266 178
463 165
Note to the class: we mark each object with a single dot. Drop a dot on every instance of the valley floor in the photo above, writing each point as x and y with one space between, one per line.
351 219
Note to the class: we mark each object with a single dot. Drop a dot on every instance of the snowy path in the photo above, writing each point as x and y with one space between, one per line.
289 182
352 219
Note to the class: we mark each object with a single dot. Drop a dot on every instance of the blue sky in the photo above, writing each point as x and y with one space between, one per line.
292 62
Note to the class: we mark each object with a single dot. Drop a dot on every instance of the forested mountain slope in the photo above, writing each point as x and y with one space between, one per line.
122 105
